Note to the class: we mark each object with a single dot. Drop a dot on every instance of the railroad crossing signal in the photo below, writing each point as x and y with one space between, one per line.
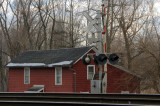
92 22
96 22
101 59
93 39
86 59
113 58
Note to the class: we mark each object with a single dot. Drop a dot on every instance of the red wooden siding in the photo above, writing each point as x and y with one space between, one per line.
82 84
16 80
119 80
40 76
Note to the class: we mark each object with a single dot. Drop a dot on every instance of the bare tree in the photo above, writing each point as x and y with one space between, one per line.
151 47
131 21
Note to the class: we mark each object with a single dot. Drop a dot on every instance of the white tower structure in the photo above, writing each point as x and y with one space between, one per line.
96 22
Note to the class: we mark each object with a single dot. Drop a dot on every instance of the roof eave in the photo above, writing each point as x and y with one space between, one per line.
68 65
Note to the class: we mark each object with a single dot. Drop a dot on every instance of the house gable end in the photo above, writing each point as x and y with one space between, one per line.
92 50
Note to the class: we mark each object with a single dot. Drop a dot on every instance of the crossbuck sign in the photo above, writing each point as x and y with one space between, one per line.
92 22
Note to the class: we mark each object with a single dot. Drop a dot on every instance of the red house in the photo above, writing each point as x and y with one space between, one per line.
62 70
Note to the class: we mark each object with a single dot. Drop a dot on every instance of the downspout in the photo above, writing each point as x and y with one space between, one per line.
74 72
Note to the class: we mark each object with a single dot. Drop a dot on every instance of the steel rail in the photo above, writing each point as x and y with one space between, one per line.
83 99
145 96
136 99
43 103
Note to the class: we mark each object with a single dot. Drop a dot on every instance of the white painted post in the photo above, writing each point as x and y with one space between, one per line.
99 43
104 82
99 32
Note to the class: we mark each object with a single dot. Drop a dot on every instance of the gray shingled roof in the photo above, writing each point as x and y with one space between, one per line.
45 57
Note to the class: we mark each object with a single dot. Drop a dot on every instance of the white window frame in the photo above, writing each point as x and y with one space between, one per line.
88 70
56 76
25 69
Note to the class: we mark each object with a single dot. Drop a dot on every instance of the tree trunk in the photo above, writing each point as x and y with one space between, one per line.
127 46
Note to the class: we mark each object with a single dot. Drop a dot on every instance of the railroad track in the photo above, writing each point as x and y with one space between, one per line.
39 103
77 99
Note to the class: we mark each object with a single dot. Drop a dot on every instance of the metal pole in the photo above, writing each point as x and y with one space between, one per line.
99 32
104 82
99 43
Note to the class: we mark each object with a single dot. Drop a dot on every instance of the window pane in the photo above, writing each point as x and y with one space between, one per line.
58 76
91 68
58 72
58 68
90 72
26 80
26 75
58 80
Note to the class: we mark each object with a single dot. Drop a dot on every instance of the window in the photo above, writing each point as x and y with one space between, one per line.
90 71
26 75
58 76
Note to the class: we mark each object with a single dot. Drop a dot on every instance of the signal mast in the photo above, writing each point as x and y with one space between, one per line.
99 86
